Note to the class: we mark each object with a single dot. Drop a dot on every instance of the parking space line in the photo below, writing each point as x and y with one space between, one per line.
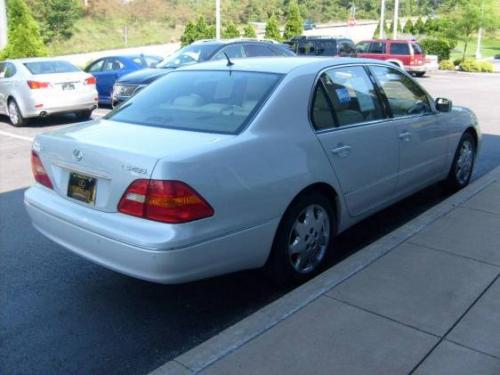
29 139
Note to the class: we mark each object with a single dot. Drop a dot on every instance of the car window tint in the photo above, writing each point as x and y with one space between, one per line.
112 65
352 95
2 70
96 67
10 70
210 101
417 49
306 48
234 51
377 47
50 67
282 50
400 49
254 50
346 48
404 95
363 47
321 113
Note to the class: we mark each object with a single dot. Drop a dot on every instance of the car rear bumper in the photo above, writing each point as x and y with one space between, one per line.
40 105
245 249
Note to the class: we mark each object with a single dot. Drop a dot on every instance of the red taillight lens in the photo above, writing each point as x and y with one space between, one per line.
38 85
39 172
90 81
166 201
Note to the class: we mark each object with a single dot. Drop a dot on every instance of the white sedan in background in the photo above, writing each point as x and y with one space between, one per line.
40 87
226 166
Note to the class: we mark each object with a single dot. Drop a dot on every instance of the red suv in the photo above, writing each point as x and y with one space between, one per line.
407 54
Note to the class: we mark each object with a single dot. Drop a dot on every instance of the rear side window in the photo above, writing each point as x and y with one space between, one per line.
377 47
322 114
209 101
50 67
404 95
234 51
112 64
352 96
8 71
400 49
254 50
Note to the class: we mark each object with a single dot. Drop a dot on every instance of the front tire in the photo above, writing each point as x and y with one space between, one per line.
463 163
303 243
419 74
15 116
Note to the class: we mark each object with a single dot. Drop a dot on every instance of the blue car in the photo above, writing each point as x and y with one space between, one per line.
107 70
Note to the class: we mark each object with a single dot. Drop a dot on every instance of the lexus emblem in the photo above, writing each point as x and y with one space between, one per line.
77 154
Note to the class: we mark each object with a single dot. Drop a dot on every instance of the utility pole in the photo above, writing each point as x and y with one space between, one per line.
217 19
382 20
396 15
479 33
3 24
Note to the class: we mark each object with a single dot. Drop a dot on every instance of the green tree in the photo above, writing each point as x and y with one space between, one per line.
201 28
294 24
189 35
419 27
231 31
408 28
272 28
249 32
24 34
56 18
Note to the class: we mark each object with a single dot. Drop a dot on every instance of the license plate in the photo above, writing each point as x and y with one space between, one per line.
68 86
82 187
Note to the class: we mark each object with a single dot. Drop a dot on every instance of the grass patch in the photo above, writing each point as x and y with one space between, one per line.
94 34
489 48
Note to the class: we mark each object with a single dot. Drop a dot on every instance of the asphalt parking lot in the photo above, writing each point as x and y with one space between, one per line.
61 314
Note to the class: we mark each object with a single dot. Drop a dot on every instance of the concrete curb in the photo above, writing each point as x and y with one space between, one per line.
256 324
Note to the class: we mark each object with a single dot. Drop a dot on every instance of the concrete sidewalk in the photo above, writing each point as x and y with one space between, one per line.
425 299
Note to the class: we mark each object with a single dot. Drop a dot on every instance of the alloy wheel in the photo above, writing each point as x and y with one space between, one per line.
464 163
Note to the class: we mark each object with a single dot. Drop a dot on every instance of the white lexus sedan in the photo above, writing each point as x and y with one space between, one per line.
39 87
243 164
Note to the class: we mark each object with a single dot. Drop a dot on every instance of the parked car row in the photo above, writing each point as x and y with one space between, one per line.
235 164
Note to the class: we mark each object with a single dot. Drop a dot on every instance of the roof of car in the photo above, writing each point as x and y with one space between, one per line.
279 65
234 40
391 40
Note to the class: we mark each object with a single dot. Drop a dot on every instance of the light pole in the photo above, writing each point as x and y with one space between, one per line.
479 33
382 21
3 24
217 19
396 14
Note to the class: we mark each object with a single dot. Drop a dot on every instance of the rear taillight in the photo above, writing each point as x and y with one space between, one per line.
166 201
90 81
39 172
34 85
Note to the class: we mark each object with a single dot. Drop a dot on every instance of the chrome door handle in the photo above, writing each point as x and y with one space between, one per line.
405 136
341 151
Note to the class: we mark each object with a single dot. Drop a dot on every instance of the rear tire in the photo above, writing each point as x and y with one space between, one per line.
303 243
463 163
84 115
15 116
419 74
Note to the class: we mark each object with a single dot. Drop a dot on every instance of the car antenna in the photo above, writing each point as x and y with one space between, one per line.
229 62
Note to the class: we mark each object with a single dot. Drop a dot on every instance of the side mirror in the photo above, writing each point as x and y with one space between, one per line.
443 105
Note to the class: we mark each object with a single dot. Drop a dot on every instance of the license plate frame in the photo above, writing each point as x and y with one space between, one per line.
82 187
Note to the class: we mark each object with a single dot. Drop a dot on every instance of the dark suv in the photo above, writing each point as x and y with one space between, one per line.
200 51
322 46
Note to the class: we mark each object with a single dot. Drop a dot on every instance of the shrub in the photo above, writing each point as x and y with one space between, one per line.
458 61
272 29
440 47
249 32
486 66
446 65
231 31
470 65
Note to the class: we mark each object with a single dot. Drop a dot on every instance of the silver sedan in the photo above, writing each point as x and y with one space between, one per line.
40 87
227 166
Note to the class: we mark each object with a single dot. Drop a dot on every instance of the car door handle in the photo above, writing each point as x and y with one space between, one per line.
342 151
405 136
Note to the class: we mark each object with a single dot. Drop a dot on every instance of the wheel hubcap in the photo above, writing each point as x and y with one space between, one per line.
14 118
309 239
464 162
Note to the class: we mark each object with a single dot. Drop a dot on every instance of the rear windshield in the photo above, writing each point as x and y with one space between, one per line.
49 67
209 101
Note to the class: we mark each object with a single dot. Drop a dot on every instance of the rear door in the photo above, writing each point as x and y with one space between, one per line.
423 138
362 146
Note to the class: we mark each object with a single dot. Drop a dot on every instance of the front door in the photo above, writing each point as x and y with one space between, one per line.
423 139
362 146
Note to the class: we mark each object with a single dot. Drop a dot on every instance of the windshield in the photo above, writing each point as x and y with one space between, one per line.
49 67
209 101
189 55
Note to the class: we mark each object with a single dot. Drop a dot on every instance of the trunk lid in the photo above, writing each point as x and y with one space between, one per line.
112 153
